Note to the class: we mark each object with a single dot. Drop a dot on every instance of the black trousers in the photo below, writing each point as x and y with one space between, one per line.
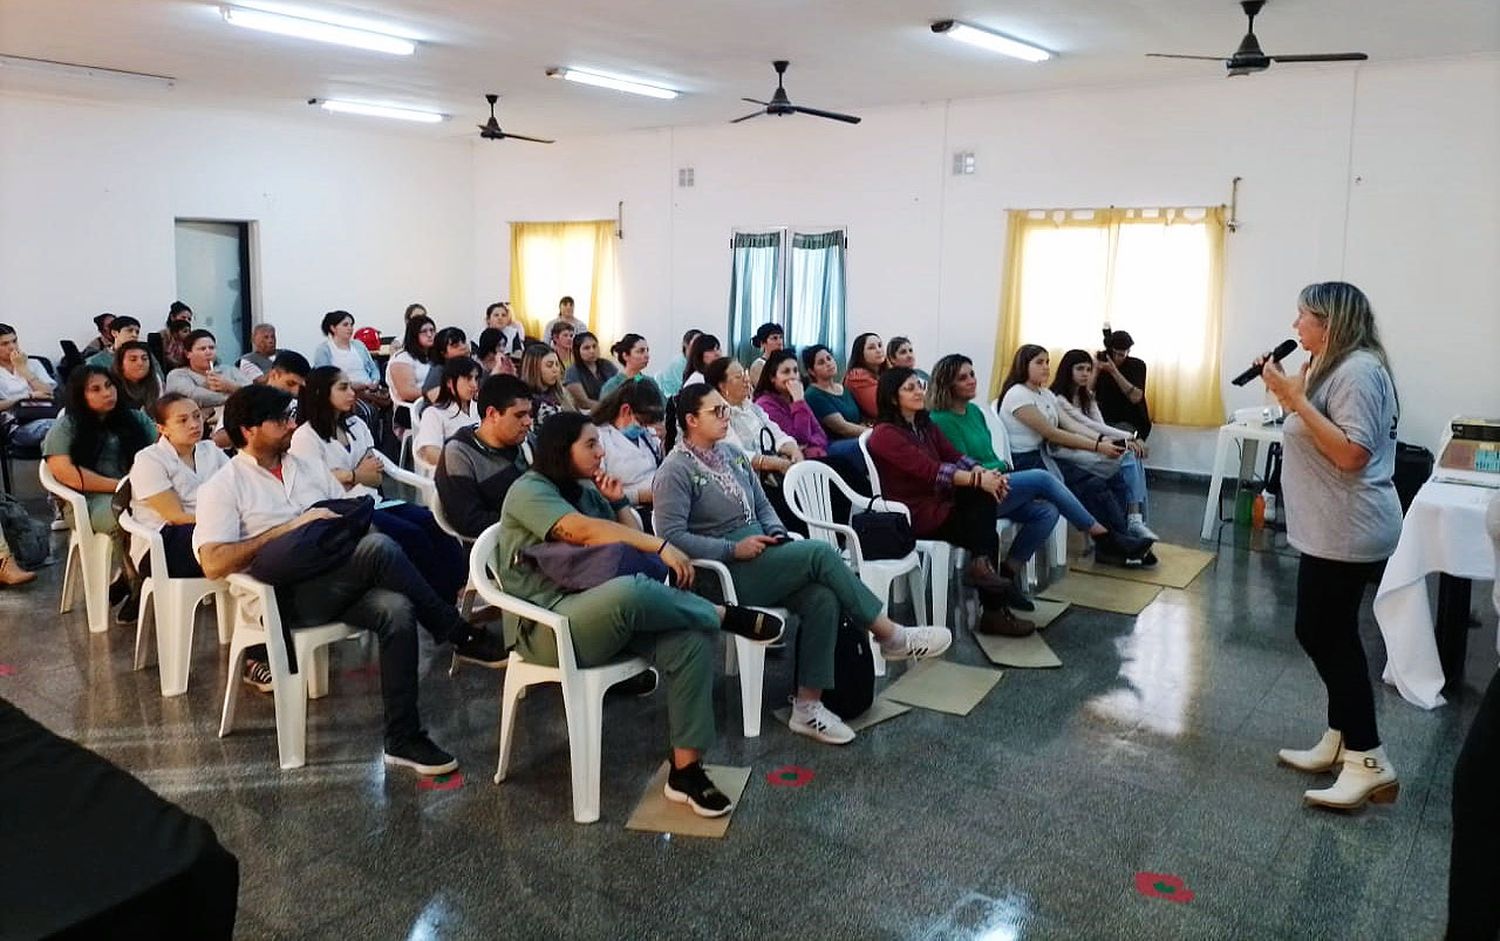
379 590
1328 598
971 525
1473 868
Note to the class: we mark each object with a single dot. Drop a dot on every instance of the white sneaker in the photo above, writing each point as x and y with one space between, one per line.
1323 756
1136 526
917 643
815 720
1365 776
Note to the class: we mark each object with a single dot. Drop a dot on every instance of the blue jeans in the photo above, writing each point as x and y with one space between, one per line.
1038 486
1134 473
1105 497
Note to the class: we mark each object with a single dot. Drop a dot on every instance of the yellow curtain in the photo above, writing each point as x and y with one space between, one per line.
551 259
1157 273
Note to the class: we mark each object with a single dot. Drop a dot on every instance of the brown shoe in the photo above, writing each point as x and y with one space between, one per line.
984 577
11 573
999 622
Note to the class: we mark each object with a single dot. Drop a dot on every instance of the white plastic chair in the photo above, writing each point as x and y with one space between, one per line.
808 487
743 657
90 555
404 455
937 555
582 688
257 620
1057 543
170 606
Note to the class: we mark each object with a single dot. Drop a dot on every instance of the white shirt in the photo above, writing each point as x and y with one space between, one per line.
348 360
13 386
158 468
418 371
745 423
1022 438
693 377
634 463
308 447
438 424
242 499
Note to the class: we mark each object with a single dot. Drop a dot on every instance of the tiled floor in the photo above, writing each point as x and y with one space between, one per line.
1152 749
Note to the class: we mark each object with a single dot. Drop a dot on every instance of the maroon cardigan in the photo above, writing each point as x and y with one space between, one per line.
917 468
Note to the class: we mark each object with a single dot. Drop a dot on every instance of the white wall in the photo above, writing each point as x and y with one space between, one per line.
1405 154
345 219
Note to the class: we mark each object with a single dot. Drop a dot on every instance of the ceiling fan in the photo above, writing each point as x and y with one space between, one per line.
780 104
1249 58
490 130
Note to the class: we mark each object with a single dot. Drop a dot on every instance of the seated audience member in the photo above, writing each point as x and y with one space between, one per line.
703 350
90 448
669 380
407 370
900 352
950 400
133 366
124 330
254 365
769 337
339 348
1120 386
585 379
201 380
264 493
952 498
11 572
493 359
20 381
751 429
560 338
332 436
288 372
104 341
412 310
542 373
866 363
711 506
479 463
564 315
1078 411
565 498
632 452
449 343
169 344
497 316
1032 420
633 354
454 408
837 412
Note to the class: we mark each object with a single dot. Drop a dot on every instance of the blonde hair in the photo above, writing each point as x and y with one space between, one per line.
531 374
940 396
1345 311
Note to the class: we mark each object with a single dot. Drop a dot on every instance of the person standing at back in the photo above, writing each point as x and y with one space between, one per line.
1344 517
564 315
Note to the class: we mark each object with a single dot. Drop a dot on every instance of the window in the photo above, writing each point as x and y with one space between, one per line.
788 276
1157 273
551 259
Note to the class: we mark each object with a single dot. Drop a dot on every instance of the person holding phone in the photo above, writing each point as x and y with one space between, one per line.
1078 411
710 504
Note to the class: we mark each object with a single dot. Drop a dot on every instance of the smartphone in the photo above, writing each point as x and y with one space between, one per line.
387 504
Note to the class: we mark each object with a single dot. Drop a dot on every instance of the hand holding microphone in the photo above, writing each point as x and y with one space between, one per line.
1282 351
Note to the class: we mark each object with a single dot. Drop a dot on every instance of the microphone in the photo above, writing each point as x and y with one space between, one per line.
1282 351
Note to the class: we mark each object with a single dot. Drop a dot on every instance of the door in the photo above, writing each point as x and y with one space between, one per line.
213 278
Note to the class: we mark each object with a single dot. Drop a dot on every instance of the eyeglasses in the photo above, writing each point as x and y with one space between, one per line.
719 411
915 385
648 418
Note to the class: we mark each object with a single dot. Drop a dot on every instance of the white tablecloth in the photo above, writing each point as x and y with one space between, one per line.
1443 532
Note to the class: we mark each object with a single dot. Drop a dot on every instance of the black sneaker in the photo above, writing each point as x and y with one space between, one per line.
692 786
642 684
482 647
419 754
130 610
753 624
119 590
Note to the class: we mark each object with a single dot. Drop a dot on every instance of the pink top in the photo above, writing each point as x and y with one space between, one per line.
796 419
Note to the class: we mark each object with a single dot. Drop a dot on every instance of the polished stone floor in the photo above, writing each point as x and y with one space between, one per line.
1151 750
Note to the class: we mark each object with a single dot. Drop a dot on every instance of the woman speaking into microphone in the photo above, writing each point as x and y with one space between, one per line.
1344 517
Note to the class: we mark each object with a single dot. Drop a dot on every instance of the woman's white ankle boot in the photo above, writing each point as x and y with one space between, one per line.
1365 776
1323 756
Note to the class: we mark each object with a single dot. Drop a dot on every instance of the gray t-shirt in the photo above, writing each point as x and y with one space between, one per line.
1347 516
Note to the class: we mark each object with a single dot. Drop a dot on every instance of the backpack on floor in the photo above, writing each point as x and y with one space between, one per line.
30 539
853 672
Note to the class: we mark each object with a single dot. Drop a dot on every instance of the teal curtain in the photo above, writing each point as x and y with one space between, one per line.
817 312
754 289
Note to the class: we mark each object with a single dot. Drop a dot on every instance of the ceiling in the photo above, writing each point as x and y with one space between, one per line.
846 54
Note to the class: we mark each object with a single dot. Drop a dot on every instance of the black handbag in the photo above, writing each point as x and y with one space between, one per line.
771 480
29 410
883 534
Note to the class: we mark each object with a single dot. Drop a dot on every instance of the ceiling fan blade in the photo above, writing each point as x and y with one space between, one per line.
535 140
846 118
755 101
1324 57
753 114
1169 55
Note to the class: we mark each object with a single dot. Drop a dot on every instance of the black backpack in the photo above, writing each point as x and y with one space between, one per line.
853 689
30 539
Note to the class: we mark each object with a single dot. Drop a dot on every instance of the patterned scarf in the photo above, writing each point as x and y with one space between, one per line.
718 470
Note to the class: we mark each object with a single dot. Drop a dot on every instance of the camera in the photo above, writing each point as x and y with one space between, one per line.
1103 355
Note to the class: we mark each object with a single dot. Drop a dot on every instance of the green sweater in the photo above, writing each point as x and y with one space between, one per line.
970 435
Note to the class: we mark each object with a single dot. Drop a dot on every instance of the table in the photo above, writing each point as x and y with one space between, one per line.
1250 436
1443 532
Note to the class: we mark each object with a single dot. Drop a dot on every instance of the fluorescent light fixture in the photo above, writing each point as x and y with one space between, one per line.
338 106
605 80
74 70
991 40
304 28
